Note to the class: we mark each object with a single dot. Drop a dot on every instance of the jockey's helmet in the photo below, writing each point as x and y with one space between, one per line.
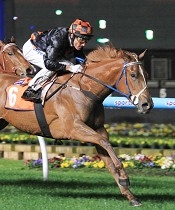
81 29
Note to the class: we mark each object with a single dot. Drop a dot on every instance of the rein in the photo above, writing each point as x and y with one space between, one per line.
61 86
129 96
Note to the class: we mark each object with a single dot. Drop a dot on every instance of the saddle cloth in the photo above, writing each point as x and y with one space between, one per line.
14 93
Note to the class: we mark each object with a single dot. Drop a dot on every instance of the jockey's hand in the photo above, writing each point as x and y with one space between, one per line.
76 68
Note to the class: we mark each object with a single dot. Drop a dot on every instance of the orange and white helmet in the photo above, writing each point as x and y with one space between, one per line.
81 29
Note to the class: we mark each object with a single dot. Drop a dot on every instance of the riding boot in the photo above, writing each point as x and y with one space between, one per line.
32 95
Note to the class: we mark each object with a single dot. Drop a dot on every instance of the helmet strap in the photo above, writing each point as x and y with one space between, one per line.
72 37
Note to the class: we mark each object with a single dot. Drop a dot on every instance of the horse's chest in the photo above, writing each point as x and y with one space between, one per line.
93 118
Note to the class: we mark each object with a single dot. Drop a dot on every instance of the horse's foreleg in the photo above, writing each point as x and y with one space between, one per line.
123 176
100 139
118 174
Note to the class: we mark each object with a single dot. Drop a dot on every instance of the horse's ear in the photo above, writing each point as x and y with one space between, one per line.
120 53
141 56
12 40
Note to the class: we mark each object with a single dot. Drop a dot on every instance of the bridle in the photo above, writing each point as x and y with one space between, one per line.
3 57
133 98
8 45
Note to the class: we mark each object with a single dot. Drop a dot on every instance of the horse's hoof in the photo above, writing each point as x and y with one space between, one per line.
135 203
124 182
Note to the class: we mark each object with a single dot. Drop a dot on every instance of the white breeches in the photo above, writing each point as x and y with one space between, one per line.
35 57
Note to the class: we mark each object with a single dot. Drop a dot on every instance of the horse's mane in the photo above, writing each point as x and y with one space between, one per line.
101 53
108 51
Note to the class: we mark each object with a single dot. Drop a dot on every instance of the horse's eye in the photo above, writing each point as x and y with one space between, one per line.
133 75
10 53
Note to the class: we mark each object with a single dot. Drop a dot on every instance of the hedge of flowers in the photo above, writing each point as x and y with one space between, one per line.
74 162
137 161
141 129
138 135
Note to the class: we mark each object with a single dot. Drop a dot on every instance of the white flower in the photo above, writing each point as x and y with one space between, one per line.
125 157
139 157
163 167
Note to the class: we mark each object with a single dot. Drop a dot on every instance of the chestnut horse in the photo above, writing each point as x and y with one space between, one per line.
12 62
74 104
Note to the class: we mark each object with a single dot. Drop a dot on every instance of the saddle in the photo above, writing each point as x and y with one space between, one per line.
15 91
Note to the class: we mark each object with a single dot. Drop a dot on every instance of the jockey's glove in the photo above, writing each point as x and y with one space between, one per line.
76 68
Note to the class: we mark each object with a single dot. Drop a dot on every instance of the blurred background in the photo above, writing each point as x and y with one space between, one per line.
133 25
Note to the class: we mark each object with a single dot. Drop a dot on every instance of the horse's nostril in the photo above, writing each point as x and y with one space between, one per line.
23 75
147 106
29 71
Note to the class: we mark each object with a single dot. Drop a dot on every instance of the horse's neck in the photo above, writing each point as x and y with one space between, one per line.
3 69
98 74
9 78
100 77
1 65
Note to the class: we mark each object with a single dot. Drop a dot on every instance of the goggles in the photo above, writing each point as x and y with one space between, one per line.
81 40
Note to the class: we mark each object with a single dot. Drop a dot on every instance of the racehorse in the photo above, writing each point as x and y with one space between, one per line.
73 107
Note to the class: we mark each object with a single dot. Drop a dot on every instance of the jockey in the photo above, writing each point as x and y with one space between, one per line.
50 49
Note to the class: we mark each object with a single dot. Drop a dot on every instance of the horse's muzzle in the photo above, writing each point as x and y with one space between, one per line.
30 71
145 107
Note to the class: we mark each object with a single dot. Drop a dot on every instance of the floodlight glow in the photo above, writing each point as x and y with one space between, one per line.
102 40
149 34
58 12
102 24
15 18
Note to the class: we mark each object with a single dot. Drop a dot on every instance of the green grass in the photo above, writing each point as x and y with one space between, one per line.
81 189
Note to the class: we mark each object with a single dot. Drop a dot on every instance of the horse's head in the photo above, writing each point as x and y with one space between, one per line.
12 60
133 82
122 72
